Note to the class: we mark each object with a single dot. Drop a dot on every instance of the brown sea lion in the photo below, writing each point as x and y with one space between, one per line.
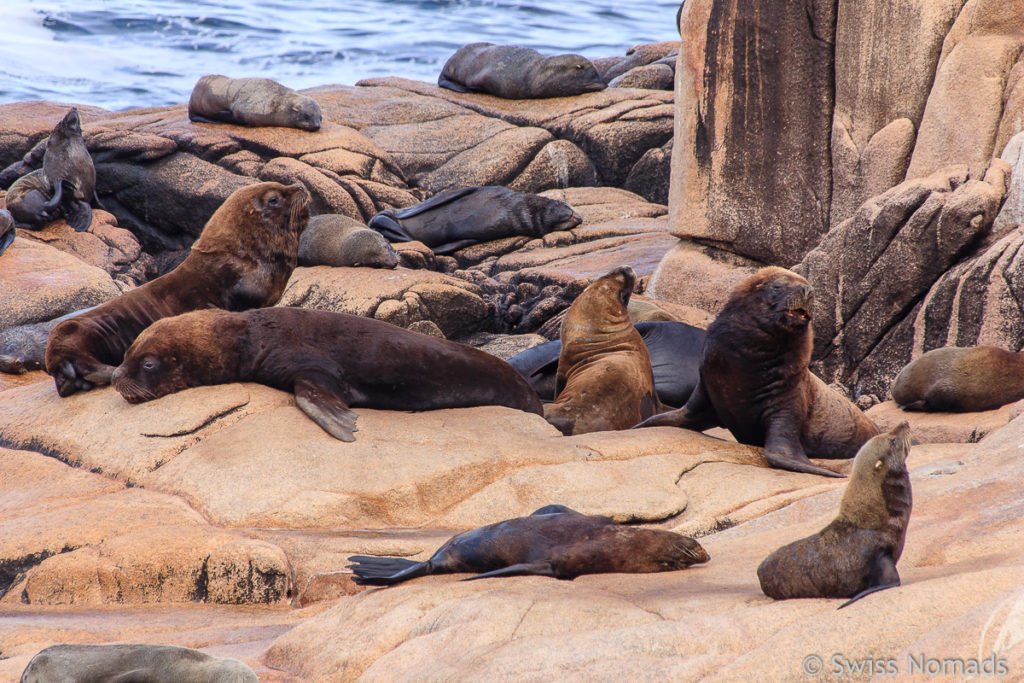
518 73
454 219
242 259
251 102
65 187
553 541
7 232
133 662
336 240
955 379
329 360
857 552
604 379
754 379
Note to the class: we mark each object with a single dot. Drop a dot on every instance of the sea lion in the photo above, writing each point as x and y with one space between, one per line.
553 541
755 382
65 187
674 349
856 554
7 232
242 259
454 219
330 361
336 240
251 102
23 347
139 662
955 379
518 73
604 379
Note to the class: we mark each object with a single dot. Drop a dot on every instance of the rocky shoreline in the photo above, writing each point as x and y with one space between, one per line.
221 519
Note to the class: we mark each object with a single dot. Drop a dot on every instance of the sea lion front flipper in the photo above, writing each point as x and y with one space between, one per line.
883 575
784 452
325 407
914 405
101 374
452 85
439 199
222 116
449 247
521 569
78 214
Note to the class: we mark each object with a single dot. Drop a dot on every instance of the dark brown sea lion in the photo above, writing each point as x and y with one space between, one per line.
65 187
133 662
857 552
454 219
754 379
6 230
242 259
251 102
518 73
336 240
553 541
674 348
954 379
604 379
330 361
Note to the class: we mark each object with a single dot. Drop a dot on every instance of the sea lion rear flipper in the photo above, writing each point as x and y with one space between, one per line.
524 568
883 575
325 407
698 414
391 229
384 571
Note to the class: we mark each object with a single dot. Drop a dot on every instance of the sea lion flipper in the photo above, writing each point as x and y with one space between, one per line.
449 247
883 575
101 374
386 224
325 407
524 568
452 85
783 449
554 509
439 199
787 459
915 405
6 240
78 215
384 571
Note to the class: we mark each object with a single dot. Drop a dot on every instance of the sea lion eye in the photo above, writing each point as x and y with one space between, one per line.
274 200
149 365
579 66
878 465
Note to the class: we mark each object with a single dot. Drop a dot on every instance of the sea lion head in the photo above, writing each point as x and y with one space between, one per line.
569 74
882 457
70 126
558 215
180 352
258 219
601 307
783 299
306 112
658 551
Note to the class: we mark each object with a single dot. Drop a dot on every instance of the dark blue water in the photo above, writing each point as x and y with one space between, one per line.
134 53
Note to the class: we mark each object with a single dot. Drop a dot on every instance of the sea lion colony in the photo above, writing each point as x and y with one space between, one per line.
169 334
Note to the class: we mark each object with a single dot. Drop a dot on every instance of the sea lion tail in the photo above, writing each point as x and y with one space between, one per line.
384 571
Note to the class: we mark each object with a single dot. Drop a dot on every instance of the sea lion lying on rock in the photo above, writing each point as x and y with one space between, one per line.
124 663
955 379
856 554
604 379
755 382
454 219
518 73
336 240
251 102
242 259
65 187
330 361
554 541
7 231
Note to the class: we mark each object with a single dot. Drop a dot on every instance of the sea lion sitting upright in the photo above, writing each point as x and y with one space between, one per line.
7 232
857 552
335 240
604 379
251 102
454 219
65 187
518 73
242 259
954 379
754 379
139 662
554 541
330 361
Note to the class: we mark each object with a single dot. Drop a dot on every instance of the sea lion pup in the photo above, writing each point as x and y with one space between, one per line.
242 259
518 73
329 360
454 219
857 552
7 232
553 541
955 379
251 102
133 662
335 240
65 187
674 348
604 379
754 379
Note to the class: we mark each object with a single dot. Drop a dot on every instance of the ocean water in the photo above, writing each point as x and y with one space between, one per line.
119 54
